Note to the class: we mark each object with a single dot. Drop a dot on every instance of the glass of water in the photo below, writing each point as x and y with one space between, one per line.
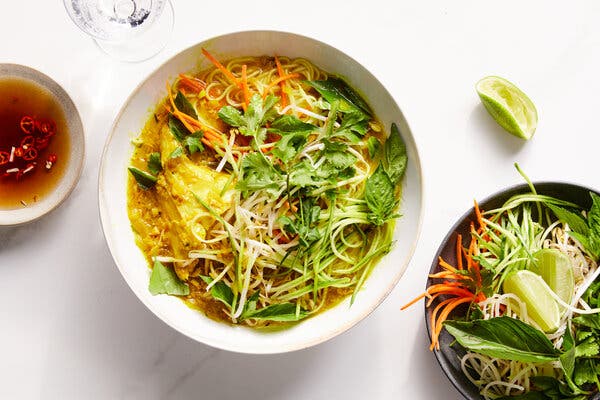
128 30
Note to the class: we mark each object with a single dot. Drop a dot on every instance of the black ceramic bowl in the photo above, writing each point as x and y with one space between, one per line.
449 356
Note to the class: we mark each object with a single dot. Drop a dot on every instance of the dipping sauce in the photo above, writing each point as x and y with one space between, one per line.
34 142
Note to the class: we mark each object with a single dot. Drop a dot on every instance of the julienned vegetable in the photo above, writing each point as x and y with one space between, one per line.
264 190
508 355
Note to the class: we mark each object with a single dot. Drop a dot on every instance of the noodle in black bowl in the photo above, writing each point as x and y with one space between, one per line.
222 120
450 352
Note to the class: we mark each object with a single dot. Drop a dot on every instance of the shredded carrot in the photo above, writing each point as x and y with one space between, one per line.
281 83
446 266
277 81
443 316
220 66
193 84
459 252
245 88
478 215
433 322
457 287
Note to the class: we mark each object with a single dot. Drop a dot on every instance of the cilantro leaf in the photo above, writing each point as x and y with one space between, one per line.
353 123
258 173
303 174
304 224
184 105
373 145
193 142
290 145
294 136
154 164
164 280
231 116
178 152
289 124
252 122
379 194
336 153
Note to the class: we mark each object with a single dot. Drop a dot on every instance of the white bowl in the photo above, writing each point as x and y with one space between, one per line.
69 180
133 266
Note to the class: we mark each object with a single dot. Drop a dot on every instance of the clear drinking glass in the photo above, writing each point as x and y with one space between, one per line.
128 30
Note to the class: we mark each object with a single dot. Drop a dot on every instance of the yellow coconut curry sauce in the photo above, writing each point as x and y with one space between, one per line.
263 191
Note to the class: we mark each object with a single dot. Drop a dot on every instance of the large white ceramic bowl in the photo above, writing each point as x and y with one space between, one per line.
133 266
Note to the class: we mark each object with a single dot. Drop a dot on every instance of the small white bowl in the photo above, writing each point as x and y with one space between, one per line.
69 180
133 266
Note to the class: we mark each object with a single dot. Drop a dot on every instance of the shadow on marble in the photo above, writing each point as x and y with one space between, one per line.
486 126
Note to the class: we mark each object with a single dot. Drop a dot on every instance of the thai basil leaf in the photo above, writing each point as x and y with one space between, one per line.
177 129
154 164
250 305
594 225
503 337
336 89
143 178
164 280
379 194
285 312
395 156
576 221
220 291
527 396
184 105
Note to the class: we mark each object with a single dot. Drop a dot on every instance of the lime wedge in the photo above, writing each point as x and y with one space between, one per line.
535 293
508 105
556 270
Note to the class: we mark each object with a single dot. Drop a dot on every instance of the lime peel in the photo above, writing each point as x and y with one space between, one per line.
537 296
508 105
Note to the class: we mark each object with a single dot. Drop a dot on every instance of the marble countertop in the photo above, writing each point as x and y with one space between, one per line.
71 327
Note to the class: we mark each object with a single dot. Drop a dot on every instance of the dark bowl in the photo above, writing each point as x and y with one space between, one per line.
449 356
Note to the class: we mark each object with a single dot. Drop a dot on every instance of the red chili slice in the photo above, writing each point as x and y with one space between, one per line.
27 124
28 142
19 152
47 127
41 143
4 157
30 154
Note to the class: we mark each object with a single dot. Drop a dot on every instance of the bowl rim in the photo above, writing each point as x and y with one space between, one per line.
103 212
517 187
25 72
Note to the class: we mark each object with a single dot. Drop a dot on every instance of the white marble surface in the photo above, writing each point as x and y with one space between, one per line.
72 329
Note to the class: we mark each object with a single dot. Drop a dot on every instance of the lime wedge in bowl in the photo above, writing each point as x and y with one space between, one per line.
556 270
508 105
537 296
